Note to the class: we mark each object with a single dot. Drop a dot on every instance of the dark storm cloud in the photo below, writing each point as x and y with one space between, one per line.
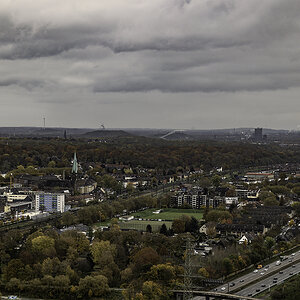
71 51
26 84
162 26
167 39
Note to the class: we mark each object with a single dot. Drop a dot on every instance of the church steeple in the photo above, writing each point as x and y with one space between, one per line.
75 164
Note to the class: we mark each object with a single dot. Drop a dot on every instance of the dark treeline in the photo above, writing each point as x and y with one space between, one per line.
145 152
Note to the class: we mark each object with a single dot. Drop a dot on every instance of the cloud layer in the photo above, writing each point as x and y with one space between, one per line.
73 47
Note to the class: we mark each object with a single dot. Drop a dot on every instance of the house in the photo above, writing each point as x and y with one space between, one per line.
231 200
246 239
126 218
81 228
240 229
86 186
203 229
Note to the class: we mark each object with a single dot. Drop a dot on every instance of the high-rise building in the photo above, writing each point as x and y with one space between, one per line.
50 202
258 136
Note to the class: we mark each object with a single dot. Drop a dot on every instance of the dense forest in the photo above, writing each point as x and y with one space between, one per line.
144 152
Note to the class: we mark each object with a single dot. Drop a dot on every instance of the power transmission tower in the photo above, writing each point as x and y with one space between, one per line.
188 285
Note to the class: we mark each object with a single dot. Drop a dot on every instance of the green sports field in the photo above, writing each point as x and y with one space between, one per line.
169 214
141 225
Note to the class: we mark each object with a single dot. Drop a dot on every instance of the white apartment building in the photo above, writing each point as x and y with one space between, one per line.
50 202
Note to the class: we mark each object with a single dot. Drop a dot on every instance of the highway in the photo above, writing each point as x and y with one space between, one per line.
256 274
263 275
271 281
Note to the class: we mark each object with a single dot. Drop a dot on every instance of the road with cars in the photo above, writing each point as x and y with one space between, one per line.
262 276
270 281
258 273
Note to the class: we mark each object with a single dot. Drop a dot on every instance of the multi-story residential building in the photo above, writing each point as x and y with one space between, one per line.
215 201
196 200
50 202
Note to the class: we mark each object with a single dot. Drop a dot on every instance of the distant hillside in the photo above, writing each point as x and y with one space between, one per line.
40 132
97 134
178 136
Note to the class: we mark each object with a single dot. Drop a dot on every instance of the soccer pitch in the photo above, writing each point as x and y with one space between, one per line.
169 214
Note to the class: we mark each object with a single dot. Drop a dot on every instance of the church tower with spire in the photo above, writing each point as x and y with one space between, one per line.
75 165
74 172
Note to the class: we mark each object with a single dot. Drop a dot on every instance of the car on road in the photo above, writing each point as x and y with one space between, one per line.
223 288
242 280
274 281
12 297
232 284
293 266
262 273
255 271
291 273
263 285
293 254
280 272
249 295
257 290
278 263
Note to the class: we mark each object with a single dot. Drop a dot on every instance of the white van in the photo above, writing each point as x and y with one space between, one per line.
278 263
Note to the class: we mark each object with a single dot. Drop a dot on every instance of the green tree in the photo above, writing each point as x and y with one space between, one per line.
178 226
14 269
227 265
145 258
218 216
149 228
43 245
103 253
13 285
163 273
93 286
192 225
266 195
271 201
152 291
205 182
269 243
203 272
216 180
163 229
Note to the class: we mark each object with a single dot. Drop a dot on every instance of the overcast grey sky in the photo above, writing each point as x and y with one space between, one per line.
150 63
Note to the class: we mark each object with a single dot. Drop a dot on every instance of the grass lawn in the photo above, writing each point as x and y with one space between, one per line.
141 225
169 213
